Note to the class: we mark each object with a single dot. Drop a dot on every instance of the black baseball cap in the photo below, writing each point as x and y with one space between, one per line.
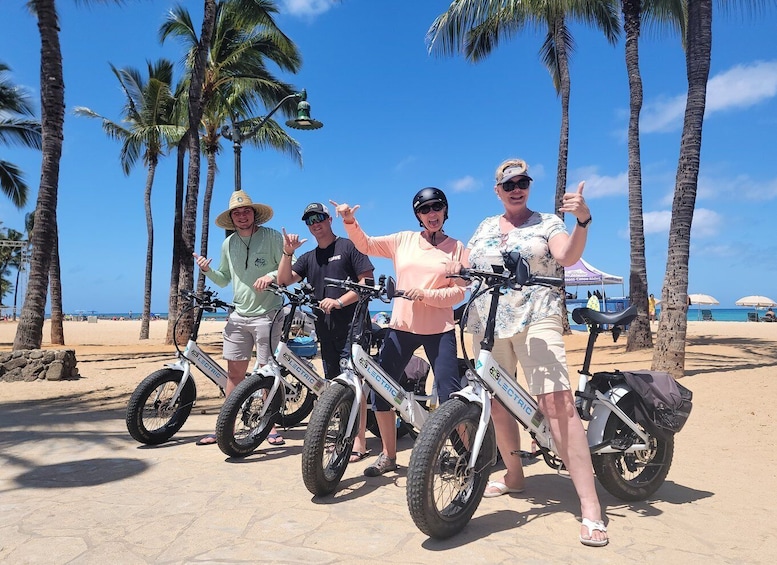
315 208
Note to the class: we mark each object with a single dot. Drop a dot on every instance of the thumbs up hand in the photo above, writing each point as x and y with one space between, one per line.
574 203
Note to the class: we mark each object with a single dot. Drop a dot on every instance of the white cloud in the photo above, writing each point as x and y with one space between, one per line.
739 87
405 163
465 184
596 185
307 7
706 223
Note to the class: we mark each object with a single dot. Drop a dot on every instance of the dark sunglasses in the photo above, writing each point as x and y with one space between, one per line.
315 219
522 183
426 208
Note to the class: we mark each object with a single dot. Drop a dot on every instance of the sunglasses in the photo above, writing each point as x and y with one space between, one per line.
522 183
315 219
426 208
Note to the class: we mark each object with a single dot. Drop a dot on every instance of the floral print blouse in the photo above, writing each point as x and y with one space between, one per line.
517 308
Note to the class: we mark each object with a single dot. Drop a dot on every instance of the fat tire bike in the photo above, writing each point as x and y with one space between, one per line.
453 455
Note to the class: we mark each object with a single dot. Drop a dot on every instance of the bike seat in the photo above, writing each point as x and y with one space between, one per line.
592 317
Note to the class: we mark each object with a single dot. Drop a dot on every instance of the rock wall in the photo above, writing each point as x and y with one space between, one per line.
33 364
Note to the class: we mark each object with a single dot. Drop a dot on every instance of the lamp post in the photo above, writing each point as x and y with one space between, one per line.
237 135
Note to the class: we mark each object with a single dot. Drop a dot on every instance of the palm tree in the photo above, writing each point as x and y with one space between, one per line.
15 103
669 353
672 13
151 129
237 80
29 332
477 26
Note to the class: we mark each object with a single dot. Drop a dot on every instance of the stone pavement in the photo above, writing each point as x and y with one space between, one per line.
75 488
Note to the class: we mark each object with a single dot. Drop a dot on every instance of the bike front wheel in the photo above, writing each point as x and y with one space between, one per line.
152 416
299 402
327 446
247 416
442 491
632 476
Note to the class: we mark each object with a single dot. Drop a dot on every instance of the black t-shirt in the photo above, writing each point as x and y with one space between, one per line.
340 260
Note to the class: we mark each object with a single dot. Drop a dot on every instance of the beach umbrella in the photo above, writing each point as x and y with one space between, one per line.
756 301
702 299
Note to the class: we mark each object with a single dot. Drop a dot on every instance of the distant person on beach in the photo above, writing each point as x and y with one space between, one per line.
249 260
652 308
529 332
424 317
337 258
769 316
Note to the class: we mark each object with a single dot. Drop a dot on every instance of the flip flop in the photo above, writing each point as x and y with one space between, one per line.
209 439
276 439
357 456
592 526
500 489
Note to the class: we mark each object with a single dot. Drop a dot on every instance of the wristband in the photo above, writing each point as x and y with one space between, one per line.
340 302
287 254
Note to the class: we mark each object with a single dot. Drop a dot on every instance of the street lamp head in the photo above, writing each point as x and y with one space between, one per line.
303 119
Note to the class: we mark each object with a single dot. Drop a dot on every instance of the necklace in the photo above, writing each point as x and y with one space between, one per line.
247 245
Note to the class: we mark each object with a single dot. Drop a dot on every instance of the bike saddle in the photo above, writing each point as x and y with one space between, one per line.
591 317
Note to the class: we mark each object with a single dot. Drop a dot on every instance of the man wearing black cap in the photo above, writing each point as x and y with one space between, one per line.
334 257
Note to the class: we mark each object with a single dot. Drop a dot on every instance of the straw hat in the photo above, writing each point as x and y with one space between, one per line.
240 199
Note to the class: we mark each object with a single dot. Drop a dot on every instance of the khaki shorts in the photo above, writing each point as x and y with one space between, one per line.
540 351
244 333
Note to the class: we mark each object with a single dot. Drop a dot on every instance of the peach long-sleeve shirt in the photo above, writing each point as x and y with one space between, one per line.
417 264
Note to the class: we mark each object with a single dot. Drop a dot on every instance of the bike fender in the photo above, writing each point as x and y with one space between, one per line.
601 413
468 395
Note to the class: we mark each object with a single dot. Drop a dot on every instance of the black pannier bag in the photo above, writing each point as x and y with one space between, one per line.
414 376
665 404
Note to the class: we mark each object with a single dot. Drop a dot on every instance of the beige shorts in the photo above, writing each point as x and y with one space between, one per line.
243 333
540 351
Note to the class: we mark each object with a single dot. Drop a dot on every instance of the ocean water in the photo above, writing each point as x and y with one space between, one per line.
694 314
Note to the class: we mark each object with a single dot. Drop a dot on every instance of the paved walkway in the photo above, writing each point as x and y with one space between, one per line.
75 488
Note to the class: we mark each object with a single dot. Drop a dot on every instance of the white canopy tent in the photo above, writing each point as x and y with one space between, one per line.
583 273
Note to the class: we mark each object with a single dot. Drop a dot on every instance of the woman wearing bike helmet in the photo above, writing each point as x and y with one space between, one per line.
529 332
426 317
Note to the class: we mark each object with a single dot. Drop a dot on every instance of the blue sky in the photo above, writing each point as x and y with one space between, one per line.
397 119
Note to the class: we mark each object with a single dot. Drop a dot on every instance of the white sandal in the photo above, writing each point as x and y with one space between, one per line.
594 525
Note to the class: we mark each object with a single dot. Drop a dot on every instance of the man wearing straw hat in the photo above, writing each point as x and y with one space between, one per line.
249 260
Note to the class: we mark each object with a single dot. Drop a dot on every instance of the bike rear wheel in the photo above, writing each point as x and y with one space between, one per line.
632 476
152 418
299 402
442 493
240 427
327 448
402 428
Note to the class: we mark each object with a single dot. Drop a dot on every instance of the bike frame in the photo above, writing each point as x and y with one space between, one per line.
362 370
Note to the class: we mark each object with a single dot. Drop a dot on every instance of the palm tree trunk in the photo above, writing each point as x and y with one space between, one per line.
55 287
565 86
196 105
29 332
206 200
146 315
639 332
669 354
175 271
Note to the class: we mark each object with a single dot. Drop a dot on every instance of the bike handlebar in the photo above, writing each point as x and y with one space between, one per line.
379 291
207 299
507 278
301 296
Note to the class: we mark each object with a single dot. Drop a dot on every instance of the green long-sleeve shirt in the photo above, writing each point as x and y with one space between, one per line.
243 260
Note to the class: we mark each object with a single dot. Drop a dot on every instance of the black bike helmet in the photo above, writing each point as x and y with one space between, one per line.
427 196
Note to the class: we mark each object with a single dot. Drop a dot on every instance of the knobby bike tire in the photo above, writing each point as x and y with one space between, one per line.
151 418
239 428
326 448
442 494
632 476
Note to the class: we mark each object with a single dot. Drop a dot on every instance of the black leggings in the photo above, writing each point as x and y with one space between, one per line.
441 351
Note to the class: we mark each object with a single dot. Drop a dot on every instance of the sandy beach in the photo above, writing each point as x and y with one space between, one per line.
716 505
